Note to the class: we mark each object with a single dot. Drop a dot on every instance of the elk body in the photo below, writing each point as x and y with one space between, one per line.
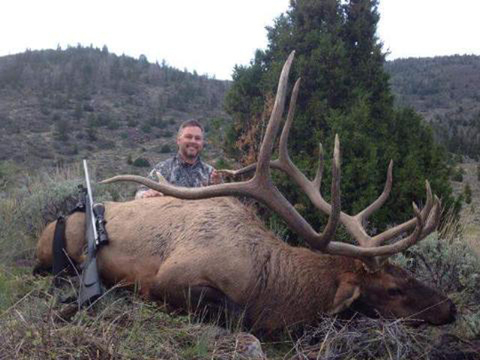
217 251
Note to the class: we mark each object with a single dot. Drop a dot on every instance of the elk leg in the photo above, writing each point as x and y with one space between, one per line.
174 286
212 297
193 297
205 303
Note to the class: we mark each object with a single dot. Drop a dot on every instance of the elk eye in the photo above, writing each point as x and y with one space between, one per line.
394 292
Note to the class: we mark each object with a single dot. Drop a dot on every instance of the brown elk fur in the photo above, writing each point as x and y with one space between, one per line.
168 246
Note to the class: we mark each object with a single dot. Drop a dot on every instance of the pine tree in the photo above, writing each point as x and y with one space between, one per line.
344 91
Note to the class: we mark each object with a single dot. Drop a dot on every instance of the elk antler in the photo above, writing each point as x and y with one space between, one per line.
261 188
427 219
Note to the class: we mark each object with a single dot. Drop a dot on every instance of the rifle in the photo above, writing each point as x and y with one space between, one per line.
96 236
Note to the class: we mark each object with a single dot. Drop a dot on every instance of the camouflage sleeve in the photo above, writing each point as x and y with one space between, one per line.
162 169
142 188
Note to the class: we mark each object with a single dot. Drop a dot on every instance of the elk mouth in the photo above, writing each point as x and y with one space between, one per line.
433 318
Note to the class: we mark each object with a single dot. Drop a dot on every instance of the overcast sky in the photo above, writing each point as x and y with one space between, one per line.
211 36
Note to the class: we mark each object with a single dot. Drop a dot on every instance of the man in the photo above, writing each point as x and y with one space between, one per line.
185 168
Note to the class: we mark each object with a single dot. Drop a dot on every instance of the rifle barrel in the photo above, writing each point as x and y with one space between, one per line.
90 198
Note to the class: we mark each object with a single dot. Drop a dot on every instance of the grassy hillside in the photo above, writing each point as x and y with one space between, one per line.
58 106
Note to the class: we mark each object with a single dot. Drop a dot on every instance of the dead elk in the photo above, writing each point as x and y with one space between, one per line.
218 250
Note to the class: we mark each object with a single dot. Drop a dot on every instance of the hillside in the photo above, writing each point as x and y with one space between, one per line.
59 106
446 92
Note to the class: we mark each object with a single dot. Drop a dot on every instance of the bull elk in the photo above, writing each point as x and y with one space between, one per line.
208 245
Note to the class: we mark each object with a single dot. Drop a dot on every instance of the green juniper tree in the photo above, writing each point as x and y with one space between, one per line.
345 91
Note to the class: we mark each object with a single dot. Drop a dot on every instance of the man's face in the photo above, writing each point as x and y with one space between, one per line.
190 142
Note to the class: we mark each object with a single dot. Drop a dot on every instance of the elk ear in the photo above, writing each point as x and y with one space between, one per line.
347 292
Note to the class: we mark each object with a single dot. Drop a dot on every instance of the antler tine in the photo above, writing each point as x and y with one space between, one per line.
262 172
410 240
422 229
434 219
364 214
285 164
284 158
334 217
430 202
317 182
283 152
407 225
336 248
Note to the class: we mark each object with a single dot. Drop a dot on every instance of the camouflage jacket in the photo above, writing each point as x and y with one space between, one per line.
180 173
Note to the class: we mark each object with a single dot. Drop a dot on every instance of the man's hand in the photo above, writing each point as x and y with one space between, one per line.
148 194
215 178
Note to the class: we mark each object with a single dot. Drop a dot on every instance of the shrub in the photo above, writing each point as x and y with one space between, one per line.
88 108
468 193
91 134
165 149
457 174
452 267
8 172
113 125
131 122
146 128
92 121
157 122
56 117
447 261
141 162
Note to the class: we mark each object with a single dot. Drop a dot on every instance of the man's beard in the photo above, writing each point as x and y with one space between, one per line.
190 154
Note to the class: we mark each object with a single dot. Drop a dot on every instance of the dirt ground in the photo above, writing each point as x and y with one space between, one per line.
470 214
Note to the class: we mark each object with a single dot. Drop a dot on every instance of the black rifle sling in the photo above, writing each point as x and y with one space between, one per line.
61 262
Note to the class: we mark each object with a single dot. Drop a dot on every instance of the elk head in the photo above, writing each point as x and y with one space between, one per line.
375 283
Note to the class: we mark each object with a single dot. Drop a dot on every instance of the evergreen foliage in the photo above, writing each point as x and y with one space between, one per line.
165 149
457 174
141 162
344 91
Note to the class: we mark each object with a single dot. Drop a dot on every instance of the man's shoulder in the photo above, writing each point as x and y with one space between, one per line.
206 166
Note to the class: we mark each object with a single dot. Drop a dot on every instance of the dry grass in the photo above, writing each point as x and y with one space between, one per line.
120 326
